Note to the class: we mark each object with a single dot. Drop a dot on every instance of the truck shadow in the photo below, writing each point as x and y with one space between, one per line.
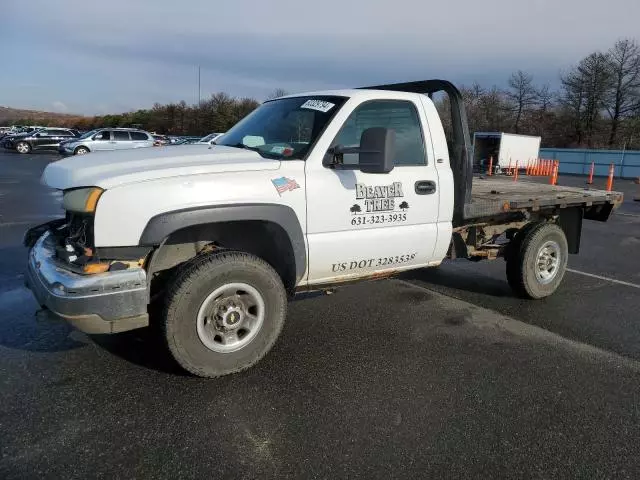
460 279
143 347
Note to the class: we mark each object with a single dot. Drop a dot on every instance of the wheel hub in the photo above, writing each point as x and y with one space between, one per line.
548 262
230 317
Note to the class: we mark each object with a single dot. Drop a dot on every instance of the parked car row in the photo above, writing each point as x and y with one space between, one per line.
42 139
68 141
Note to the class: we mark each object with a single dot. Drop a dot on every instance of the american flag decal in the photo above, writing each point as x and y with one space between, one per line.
284 184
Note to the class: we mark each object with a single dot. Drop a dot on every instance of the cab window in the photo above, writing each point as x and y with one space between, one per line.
397 115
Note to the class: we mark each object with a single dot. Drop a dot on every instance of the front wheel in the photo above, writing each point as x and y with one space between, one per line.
81 151
23 147
537 260
224 312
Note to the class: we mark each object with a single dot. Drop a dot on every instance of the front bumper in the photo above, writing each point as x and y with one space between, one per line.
107 302
65 150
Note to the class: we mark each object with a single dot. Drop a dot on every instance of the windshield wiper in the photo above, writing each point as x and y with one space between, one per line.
262 153
246 147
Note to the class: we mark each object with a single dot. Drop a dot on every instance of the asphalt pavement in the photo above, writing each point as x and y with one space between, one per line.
439 374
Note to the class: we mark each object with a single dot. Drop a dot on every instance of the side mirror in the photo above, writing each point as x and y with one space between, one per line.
376 152
377 146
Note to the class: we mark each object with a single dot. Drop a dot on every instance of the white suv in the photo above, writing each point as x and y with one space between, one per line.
107 139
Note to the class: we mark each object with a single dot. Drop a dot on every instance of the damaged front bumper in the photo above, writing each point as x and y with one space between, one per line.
107 302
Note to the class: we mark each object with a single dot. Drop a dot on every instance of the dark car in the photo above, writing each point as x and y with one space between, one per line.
159 140
43 139
185 140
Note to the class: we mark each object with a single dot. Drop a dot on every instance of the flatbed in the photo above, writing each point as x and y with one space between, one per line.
496 196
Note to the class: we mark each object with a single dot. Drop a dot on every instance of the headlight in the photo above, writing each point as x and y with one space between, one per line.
83 200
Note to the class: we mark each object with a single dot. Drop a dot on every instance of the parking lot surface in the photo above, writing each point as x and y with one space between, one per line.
438 374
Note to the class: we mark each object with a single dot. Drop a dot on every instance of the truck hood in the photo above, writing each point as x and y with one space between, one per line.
111 169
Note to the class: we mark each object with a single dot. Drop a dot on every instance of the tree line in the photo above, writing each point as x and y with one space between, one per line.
597 105
218 113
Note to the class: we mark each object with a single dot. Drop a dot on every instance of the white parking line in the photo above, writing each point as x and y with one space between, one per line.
600 277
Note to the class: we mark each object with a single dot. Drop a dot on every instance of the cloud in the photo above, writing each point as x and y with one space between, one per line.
250 47
58 106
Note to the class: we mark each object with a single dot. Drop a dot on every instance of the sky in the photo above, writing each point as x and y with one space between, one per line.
90 57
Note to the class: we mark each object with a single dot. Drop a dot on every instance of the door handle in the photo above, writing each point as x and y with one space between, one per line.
425 187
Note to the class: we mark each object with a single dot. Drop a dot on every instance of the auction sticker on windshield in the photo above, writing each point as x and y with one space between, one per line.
319 105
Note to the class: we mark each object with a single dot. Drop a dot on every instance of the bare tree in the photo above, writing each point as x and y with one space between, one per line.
522 95
624 95
584 91
596 70
544 98
277 93
494 110
572 99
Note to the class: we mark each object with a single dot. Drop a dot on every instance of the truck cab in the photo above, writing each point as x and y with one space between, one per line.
307 192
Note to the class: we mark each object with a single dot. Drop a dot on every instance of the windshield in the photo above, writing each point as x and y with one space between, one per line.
87 135
284 128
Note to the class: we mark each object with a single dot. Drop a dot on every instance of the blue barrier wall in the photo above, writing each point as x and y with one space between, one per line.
578 161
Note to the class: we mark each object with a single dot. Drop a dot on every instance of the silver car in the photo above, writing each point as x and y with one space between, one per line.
107 139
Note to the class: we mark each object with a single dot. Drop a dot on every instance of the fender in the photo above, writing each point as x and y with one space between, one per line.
161 226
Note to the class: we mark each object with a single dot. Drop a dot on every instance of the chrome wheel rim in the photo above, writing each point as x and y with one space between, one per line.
82 151
230 317
548 262
22 148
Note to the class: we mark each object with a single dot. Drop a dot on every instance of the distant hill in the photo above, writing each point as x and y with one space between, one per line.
10 116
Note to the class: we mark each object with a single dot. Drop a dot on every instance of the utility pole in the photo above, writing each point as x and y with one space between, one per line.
199 104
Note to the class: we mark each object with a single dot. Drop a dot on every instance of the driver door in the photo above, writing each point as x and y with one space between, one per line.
362 224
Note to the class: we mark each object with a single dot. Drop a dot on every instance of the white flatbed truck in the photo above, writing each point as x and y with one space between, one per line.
308 192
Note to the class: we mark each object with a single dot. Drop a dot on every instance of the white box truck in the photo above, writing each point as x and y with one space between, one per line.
505 149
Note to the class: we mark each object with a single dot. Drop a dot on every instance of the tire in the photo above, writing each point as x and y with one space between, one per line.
536 243
209 303
81 151
23 147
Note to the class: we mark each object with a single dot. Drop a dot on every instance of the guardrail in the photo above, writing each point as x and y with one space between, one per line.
578 161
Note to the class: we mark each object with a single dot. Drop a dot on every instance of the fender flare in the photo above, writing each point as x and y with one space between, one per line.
161 226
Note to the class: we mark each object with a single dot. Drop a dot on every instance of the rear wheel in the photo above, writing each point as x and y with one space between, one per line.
23 147
224 312
537 260
81 151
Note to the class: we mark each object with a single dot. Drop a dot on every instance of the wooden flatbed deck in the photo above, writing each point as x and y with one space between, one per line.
497 196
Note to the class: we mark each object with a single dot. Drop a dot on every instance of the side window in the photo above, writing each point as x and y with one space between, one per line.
119 135
103 136
138 136
398 115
